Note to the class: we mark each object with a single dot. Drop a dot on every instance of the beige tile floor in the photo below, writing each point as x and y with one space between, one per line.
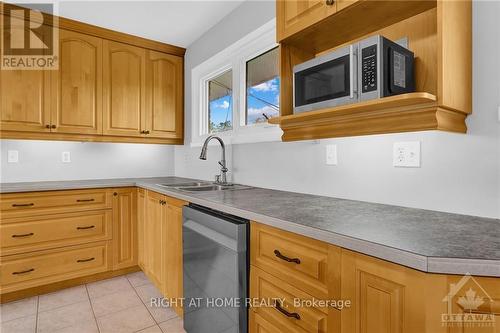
117 305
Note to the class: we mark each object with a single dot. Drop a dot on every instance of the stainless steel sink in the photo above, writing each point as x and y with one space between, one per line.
190 184
213 187
204 187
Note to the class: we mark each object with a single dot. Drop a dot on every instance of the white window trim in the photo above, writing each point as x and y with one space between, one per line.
233 57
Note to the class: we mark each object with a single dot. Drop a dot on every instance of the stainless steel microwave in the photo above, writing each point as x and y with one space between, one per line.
372 68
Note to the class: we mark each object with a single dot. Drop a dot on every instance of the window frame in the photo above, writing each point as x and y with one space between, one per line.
232 58
243 75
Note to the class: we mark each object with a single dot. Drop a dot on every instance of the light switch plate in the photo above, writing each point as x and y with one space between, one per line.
13 156
331 155
66 157
406 154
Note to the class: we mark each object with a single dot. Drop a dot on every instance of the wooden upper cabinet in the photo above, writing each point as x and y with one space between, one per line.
295 15
78 85
164 116
124 89
25 100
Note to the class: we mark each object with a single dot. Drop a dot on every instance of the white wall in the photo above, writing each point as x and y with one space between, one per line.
41 160
459 173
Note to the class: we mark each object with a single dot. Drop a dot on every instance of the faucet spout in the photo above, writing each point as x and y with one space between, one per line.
220 179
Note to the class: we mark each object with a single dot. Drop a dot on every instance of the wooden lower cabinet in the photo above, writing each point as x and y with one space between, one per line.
173 262
31 269
34 233
286 314
384 297
141 228
299 260
50 238
124 228
154 237
162 249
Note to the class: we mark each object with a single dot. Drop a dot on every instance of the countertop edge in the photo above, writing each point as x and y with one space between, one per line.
439 265
480 267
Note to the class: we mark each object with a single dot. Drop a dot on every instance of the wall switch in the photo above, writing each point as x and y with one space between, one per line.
331 154
66 157
13 156
406 154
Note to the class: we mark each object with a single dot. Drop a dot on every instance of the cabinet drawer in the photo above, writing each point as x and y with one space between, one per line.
32 203
289 317
257 324
49 231
311 265
34 269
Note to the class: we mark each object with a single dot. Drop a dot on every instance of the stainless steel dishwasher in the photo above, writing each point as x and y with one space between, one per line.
215 258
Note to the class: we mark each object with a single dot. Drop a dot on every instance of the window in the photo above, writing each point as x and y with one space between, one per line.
262 88
236 91
220 103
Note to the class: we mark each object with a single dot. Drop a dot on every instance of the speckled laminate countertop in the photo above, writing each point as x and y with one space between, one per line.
425 240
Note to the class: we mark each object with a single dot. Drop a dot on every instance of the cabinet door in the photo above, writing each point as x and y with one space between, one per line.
25 100
154 238
295 15
385 297
165 95
124 88
141 229
124 228
78 85
173 269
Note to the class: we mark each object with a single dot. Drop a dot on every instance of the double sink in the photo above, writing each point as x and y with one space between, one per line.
204 186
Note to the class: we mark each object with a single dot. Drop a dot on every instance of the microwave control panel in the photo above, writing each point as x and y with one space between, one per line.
369 68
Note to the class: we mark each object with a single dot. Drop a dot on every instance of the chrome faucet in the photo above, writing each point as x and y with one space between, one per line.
219 179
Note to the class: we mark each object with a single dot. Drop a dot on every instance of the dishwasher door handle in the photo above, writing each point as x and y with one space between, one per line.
211 234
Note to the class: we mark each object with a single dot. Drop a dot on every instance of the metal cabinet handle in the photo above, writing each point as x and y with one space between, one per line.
23 235
84 200
115 193
23 205
23 272
84 228
53 126
145 131
85 260
329 2
47 126
278 307
282 257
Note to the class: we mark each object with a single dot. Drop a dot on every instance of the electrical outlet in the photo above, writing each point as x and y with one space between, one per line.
66 157
406 154
331 155
13 156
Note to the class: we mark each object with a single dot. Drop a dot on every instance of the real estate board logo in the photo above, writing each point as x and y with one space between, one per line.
30 37
468 305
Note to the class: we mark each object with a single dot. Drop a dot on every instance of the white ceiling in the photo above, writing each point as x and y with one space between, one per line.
178 22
